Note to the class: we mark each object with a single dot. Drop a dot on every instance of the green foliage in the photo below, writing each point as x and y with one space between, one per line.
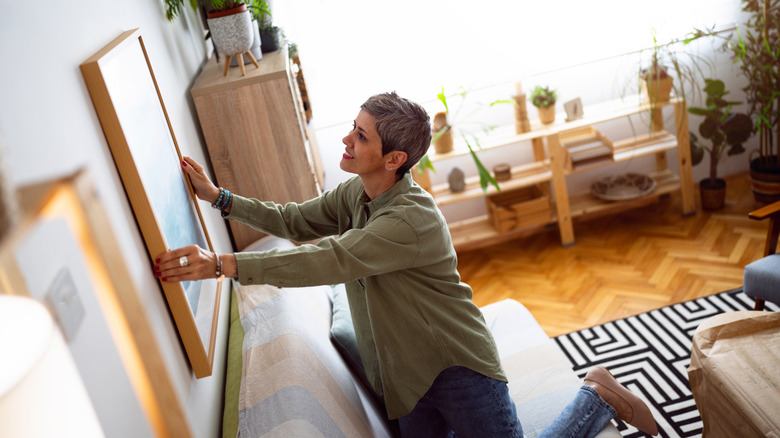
258 8
671 57
725 130
543 97
757 50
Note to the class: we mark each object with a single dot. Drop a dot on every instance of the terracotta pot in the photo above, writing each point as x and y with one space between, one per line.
765 179
444 143
233 33
225 13
655 90
713 195
546 115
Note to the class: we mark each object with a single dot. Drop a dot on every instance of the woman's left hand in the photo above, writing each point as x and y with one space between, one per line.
186 264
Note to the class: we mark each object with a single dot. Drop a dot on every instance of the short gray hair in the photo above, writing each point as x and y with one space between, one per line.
402 125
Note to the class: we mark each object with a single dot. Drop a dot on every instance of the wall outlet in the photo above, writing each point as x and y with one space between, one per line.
65 304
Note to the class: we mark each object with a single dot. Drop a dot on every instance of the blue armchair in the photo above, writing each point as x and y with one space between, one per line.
762 277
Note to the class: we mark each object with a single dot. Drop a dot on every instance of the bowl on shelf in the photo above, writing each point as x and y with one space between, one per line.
623 186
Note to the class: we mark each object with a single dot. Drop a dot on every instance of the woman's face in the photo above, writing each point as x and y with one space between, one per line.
363 152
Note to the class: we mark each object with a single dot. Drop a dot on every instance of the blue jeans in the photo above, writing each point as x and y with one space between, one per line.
464 403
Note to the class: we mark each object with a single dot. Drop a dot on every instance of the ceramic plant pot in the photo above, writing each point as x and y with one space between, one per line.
546 115
444 143
269 40
656 90
765 179
713 196
255 49
233 33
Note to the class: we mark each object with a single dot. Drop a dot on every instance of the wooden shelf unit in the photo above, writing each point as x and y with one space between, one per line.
257 134
553 161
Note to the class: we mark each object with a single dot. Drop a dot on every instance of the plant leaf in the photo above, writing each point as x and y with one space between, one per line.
443 99
485 177
425 163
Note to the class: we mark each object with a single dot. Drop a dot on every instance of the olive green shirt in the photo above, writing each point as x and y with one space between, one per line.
413 316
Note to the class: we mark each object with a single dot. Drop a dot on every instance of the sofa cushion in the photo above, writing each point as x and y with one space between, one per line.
294 381
762 279
342 334
541 380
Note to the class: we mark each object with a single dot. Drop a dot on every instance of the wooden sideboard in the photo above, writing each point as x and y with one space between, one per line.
257 134
557 155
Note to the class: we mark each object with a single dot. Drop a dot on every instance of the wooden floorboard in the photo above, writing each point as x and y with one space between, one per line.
622 264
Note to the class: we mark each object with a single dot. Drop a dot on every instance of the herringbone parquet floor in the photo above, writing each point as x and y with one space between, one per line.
622 264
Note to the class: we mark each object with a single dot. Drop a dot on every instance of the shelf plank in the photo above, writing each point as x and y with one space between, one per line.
641 145
477 232
589 205
522 176
596 113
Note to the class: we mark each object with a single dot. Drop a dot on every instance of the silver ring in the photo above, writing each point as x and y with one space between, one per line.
183 261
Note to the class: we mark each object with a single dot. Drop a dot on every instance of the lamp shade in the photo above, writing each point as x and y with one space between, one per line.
41 393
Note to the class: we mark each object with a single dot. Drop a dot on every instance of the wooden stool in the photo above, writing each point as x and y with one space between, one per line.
240 60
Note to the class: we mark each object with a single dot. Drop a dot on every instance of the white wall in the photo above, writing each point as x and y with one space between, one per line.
49 128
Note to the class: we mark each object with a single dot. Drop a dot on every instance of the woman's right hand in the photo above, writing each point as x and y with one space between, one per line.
204 188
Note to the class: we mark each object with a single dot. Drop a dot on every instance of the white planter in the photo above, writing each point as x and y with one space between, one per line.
256 49
232 34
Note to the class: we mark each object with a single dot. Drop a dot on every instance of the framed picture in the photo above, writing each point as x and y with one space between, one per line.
573 109
130 107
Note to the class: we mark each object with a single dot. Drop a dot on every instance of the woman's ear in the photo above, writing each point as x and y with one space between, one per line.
394 160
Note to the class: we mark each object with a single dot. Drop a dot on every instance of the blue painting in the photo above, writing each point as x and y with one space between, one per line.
144 123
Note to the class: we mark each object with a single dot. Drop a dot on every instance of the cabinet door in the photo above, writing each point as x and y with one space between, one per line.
256 139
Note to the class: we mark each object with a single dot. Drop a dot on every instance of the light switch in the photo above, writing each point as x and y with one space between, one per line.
65 303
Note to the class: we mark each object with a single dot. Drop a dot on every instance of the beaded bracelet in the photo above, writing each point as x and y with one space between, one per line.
223 200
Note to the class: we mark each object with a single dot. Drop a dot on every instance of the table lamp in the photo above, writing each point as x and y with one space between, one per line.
41 392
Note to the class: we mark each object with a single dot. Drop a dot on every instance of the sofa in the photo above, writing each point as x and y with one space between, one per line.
290 375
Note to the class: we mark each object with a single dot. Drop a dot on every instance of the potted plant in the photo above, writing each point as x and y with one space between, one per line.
726 132
446 124
258 8
667 62
229 21
655 82
271 37
758 55
544 100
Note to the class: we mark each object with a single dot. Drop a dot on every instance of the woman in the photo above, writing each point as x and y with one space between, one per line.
422 341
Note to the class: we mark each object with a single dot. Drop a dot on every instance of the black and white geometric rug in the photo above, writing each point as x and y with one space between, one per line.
650 353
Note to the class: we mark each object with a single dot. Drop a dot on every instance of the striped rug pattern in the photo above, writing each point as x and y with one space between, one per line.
650 353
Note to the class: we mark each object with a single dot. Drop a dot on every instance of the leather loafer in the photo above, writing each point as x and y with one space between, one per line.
629 407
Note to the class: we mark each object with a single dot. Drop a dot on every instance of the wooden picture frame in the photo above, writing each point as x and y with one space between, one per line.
128 102
574 110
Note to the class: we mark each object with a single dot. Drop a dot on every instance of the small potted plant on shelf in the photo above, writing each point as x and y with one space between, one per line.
726 132
544 100
656 81
757 51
